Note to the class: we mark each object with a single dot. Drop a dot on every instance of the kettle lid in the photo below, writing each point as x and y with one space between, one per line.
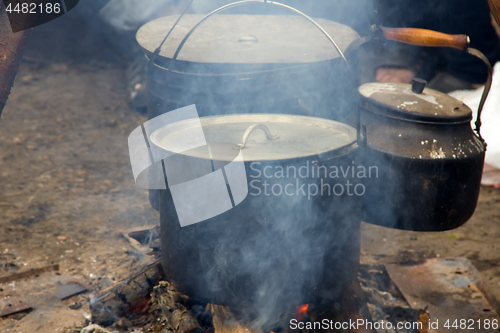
413 102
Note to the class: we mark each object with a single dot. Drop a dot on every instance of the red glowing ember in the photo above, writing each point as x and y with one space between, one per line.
300 311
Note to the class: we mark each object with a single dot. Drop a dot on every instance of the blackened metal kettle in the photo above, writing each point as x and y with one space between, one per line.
430 160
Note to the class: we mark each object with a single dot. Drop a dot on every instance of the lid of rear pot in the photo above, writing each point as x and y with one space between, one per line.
413 102
246 39
289 137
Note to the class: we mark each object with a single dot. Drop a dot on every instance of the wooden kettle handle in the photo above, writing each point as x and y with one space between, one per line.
423 37
495 9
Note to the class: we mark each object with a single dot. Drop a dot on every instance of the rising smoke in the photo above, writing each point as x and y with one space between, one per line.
269 254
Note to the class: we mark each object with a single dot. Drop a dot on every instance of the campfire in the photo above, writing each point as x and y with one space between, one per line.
372 303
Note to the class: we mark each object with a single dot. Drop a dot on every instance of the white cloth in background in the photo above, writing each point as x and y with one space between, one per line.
490 128
129 15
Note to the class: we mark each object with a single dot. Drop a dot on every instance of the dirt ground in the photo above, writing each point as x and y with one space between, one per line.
67 193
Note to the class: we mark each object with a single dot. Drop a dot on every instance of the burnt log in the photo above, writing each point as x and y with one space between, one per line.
169 312
126 298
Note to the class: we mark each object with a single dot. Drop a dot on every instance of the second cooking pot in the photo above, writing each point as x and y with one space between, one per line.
246 64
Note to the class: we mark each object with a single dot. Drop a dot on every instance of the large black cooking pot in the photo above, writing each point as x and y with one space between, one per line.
294 239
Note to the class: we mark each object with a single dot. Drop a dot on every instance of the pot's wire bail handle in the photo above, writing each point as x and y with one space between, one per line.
276 4
429 38
251 129
266 2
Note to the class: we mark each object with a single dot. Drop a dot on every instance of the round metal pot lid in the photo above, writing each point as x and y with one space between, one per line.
288 137
246 39
398 100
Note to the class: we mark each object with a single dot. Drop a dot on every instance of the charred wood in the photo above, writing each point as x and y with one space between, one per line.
127 297
169 312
